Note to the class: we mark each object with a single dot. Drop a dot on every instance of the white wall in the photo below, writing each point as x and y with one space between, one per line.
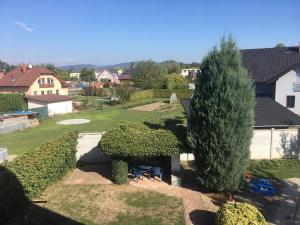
266 143
284 87
60 108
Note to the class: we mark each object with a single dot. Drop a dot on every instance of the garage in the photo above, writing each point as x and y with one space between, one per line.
55 104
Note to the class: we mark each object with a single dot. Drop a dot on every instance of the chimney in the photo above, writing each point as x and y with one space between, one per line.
23 68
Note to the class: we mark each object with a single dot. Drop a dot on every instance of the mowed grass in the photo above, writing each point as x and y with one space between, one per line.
107 205
101 120
276 168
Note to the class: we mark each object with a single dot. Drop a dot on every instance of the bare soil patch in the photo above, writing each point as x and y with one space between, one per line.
149 107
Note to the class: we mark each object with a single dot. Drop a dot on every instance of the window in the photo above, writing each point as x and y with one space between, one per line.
43 80
290 101
35 93
49 92
39 81
57 92
49 80
42 92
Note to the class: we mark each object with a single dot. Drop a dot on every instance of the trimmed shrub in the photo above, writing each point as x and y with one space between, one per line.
239 214
29 175
138 140
165 93
137 95
119 170
161 93
12 102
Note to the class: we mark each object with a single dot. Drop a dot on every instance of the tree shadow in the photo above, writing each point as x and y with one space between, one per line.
290 145
17 209
104 169
202 217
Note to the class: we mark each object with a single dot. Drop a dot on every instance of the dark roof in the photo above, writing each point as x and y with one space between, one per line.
49 98
18 78
268 64
268 113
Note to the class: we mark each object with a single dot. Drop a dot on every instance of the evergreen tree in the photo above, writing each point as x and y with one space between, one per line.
221 118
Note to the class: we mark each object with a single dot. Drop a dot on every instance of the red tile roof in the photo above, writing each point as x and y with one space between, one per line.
49 98
18 78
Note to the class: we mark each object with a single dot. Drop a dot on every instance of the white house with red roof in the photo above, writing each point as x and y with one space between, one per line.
32 80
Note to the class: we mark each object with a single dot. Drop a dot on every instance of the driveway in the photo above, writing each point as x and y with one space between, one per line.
288 210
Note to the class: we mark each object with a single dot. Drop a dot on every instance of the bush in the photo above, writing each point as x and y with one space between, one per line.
124 91
239 214
46 164
12 102
175 81
138 95
161 93
165 93
34 171
138 140
119 170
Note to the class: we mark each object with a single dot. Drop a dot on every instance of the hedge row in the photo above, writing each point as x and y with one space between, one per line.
138 140
29 175
166 93
161 93
12 102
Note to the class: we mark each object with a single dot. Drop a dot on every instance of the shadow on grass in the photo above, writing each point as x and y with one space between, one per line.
17 209
202 217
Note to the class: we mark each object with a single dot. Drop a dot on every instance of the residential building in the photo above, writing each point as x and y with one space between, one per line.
190 72
32 80
1 74
275 129
126 75
276 73
106 76
75 75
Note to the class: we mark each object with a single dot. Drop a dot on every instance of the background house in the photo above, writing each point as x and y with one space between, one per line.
32 80
276 73
75 75
189 72
106 76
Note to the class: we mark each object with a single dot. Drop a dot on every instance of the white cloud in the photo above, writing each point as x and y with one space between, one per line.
22 25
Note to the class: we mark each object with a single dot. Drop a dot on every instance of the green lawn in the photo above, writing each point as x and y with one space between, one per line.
101 120
105 204
277 168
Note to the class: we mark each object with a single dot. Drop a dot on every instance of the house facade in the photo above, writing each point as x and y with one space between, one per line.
106 76
189 71
276 73
32 81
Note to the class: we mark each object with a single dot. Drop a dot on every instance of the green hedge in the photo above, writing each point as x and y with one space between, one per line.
120 170
29 175
166 93
12 102
137 95
161 93
239 214
138 140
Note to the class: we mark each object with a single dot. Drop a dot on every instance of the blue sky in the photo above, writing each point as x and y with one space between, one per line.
100 32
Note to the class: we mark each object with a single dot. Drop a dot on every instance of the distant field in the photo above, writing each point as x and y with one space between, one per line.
101 120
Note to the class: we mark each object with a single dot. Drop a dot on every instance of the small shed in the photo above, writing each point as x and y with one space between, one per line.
56 104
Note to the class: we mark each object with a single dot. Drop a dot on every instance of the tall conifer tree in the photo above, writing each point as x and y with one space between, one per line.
221 119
